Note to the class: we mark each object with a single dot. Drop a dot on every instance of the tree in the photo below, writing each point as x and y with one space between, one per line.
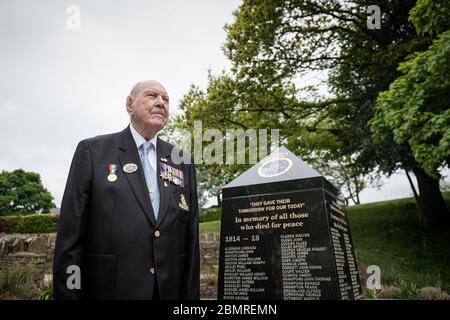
239 106
291 38
349 179
216 110
272 44
23 192
415 110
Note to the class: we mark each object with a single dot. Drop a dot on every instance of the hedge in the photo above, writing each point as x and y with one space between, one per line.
35 223
15 213
48 223
211 214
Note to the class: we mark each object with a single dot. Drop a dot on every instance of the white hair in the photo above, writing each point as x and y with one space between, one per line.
137 87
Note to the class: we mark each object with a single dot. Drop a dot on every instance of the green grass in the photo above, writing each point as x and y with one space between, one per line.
393 235
210 226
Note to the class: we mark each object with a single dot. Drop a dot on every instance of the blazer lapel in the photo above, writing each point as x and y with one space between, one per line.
136 179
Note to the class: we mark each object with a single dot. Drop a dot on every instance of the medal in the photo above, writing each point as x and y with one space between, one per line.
183 204
112 168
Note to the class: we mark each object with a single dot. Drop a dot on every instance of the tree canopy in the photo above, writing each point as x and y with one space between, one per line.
23 192
416 108
346 121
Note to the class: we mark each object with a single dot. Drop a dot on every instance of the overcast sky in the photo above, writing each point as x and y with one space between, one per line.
59 86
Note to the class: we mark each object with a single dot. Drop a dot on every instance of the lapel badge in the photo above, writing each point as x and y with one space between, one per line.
183 204
112 169
130 168
163 159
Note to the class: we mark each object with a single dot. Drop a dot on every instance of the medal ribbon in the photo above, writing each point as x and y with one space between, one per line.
112 168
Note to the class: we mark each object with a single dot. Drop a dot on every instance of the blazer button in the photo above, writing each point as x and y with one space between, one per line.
157 234
152 270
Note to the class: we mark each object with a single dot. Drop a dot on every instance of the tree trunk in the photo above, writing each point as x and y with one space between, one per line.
352 195
416 196
219 200
357 191
431 201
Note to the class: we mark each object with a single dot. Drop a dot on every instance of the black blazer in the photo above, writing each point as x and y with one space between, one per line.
108 228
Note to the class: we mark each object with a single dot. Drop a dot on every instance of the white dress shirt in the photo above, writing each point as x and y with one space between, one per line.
140 140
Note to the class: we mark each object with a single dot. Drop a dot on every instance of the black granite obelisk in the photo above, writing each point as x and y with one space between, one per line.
285 236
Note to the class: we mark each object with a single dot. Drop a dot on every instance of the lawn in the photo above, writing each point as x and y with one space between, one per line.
393 235
211 226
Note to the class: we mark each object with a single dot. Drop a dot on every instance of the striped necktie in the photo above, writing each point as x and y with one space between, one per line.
150 176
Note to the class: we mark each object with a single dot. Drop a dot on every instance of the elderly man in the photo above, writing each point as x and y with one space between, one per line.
129 214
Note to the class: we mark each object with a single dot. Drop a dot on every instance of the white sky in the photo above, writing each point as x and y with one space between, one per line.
59 86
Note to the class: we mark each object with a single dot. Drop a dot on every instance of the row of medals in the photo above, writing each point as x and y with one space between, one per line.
176 180
171 178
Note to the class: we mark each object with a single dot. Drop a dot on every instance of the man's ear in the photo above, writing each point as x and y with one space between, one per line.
128 105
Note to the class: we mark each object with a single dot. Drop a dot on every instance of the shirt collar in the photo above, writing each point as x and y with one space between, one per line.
138 139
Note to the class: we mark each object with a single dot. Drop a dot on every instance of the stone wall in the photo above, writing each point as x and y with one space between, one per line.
36 250
209 251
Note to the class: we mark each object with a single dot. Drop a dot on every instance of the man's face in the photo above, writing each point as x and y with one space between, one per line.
150 106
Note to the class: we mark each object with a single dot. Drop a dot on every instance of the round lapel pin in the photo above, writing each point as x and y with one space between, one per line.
130 168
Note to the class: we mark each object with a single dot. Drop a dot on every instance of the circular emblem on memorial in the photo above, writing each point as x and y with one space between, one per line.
275 167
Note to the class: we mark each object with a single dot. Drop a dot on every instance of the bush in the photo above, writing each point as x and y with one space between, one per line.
8 224
17 283
3 225
36 223
408 290
12 213
211 214
45 291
